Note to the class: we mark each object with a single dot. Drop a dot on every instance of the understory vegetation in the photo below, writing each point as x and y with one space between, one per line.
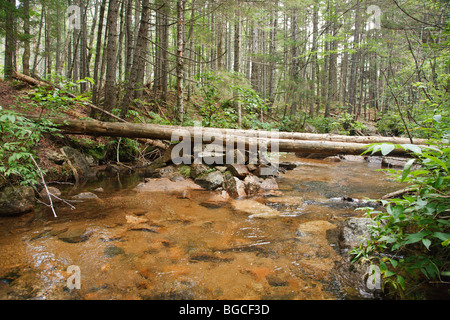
410 239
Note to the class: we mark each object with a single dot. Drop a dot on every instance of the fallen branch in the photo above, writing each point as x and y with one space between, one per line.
45 186
398 193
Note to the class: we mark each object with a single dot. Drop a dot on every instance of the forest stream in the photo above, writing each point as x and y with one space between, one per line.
133 244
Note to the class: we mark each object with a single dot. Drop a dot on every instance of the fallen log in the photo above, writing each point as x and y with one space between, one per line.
29 80
306 136
174 134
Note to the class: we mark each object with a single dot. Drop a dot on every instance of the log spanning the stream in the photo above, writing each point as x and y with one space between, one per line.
305 136
264 141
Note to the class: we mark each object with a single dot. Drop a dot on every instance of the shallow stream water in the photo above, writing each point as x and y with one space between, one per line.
154 245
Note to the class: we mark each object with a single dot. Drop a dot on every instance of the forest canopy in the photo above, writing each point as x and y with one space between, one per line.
241 63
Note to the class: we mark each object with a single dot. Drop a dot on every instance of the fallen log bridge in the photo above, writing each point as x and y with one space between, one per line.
270 141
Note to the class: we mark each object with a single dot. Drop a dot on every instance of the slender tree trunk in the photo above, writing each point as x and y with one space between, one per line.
58 41
355 61
129 36
237 57
48 51
165 50
98 49
10 39
92 35
237 41
110 81
191 67
120 49
295 61
273 52
220 43
83 45
255 72
314 63
180 58
26 30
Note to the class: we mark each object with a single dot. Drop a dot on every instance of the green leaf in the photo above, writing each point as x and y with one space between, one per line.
407 169
412 147
438 161
433 148
437 118
396 212
441 236
401 282
416 237
383 267
374 148
393 262
389 273
426 243
387 148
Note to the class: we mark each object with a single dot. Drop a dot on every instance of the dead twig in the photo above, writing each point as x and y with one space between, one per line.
45 186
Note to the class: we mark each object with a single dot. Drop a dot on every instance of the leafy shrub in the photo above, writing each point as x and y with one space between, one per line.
411 236
57 100
18 139
343 124
220 92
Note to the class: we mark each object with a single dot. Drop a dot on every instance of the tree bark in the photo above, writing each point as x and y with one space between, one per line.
314 63
10 39
96 87
237 57
355 61
273 52
180 58
83 45
110 81
26 30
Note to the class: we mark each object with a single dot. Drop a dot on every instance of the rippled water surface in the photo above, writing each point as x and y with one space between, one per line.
130 244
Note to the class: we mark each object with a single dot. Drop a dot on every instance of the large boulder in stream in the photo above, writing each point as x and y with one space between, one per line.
353 231
79 163
210 181
353 276
238 170
197 169
16 200
234 186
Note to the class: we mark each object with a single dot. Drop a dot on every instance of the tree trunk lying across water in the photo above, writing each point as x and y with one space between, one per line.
307 136
174 134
